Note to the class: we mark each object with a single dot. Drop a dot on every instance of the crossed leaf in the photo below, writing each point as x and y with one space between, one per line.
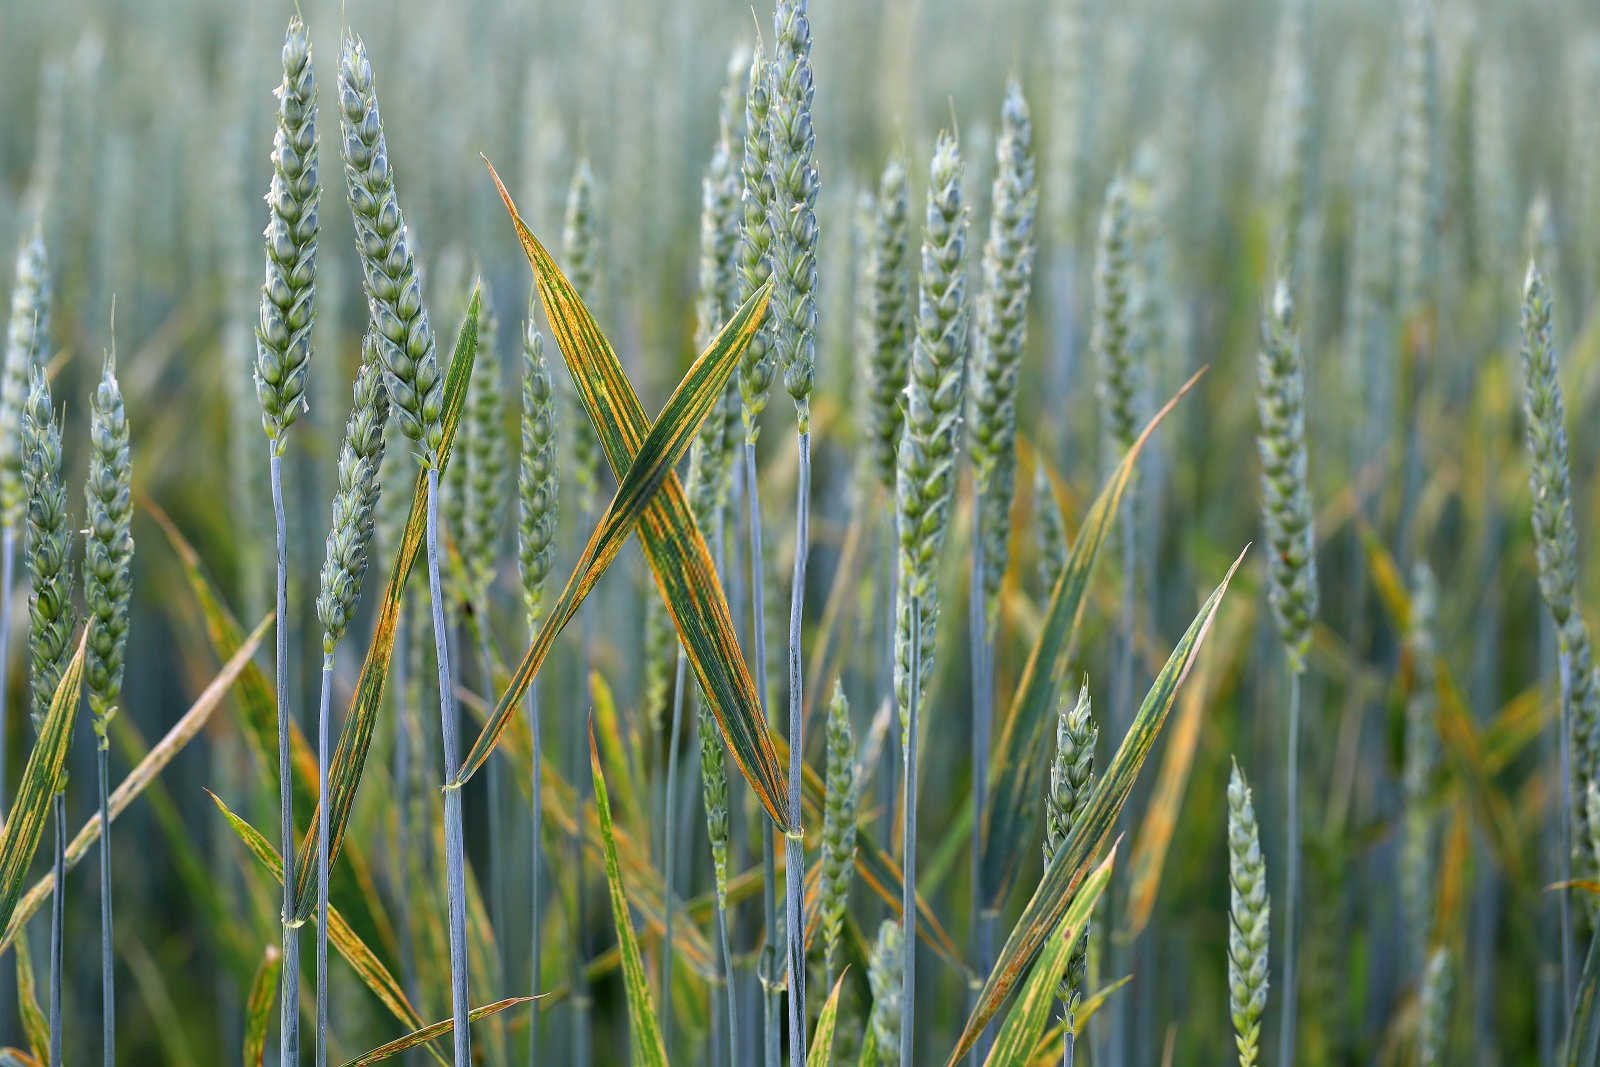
649 493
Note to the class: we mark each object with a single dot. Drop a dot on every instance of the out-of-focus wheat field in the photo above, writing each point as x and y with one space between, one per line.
1099 200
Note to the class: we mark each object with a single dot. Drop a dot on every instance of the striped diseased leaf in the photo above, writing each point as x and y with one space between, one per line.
1021 755
182 732
355 737
649 491
620 764
1091 834
41 777
821 1051
258 1013
644 1032
368 967
1025 1022
432 1031
34 1025
15 1057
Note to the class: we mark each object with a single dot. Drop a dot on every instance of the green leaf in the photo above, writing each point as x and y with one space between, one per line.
41 779
368 967
355 738
821 1051
1091 834
1583 1035
1021 755
1019 1034
649 493
258 1013
644 1032
34 1025
138 779
432 1031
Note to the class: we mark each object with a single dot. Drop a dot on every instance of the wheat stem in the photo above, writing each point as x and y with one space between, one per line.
669 855
908 897
535 890
1291 892
108 991
289 1017
794 842
322 858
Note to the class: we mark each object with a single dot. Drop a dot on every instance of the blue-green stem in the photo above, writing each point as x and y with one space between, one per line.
982 657
794 867
1564 747
721 903
499 910
908 893
108 992
402 785
1122 711
454 850
8 547
578 761
289 1000
322 853
1291 893
669 852
536 905
769 864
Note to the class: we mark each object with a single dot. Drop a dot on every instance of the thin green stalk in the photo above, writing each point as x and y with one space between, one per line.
669 852
908 898
1291 876
769 863
581 997
454 850
982 651
1564 748
289 1016
499 909
322 858
8 547
794 841
727 980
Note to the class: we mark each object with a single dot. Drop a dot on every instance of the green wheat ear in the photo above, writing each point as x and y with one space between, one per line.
485 457
580 244
108 548
49 552
838 827
26 336
756 240
538 476
1111 332
288 295
1071 781
1248 916
883 977
1285 487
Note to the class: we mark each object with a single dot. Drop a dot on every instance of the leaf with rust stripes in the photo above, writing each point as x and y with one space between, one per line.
432 1031
644 1031
649 493
41 778
1017 766
258 1013
1019 1034
355 737
1091 834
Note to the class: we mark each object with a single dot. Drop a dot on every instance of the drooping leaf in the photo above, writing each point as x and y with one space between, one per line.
368 967
1091 834
34 1025
1025 1022
41 778
355 737
1021 754
649 493
258 1013
820 1054
139 778
432 1031
644 1031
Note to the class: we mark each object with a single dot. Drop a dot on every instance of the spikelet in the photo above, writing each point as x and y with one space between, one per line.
793 210
538 476
714 787
1050 530
838 828
288 295
49 552
1433 1026
355 499
1285 492
1416 860
1071 781
1556 543
394 292
26 337
1110 336
108 548
485 458
1001 335
926 465
890 354
1248 916
580 244
883 976
756 241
